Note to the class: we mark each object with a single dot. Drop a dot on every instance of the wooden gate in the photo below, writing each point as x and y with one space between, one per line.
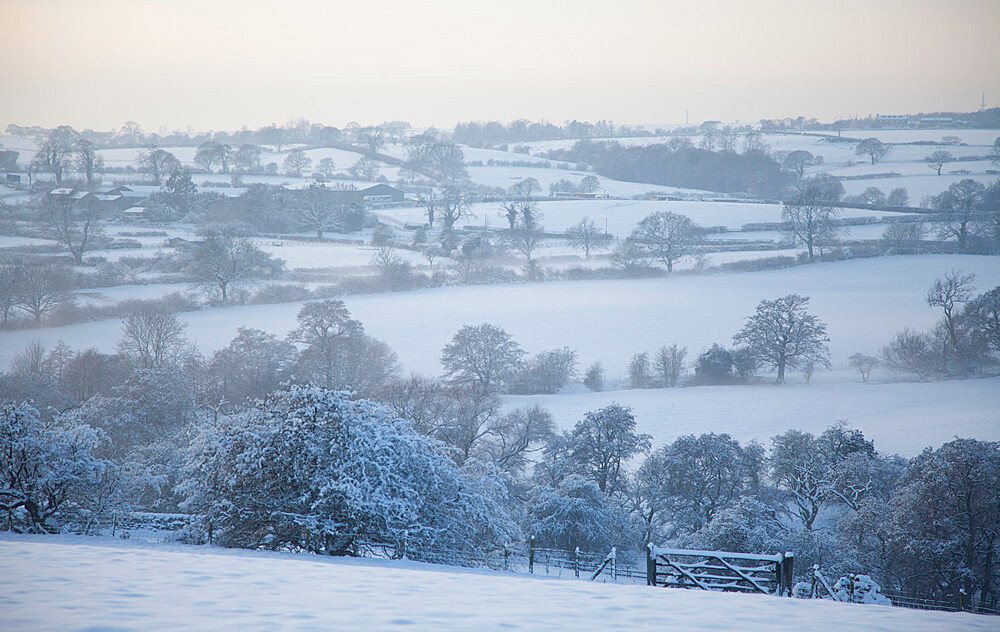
720 570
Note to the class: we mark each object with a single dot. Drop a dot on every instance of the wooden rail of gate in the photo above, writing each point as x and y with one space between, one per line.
720 570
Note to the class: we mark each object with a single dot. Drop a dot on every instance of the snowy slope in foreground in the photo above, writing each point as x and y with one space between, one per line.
73 583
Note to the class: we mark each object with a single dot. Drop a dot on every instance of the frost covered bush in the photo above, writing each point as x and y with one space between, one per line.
49 474
859 589
575 513
546 372
309 468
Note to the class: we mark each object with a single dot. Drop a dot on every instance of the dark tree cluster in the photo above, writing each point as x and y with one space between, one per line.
681 165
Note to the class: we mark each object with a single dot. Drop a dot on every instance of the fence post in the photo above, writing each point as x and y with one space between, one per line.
788 568
650 566
614 563
779 575
961 599
210 532
506 558
114 523
576 562
531 555
812 589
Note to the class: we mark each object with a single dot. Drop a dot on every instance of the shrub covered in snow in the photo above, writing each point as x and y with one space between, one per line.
310 468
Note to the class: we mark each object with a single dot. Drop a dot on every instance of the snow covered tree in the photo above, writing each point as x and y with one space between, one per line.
48 473
482 357
746 526
944 527
574 513
782 334
639 372
667 237
603 442
799 466
312 469
683 486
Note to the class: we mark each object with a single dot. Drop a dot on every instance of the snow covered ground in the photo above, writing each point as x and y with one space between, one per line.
917 186
621 216
863 301
75 584
902 417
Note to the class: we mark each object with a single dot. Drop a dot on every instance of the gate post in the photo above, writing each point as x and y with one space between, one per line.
576 562
650 566
531 555
787 568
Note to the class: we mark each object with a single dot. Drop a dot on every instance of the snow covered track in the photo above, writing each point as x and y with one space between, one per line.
75 583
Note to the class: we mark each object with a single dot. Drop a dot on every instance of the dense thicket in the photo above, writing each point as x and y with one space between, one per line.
753 172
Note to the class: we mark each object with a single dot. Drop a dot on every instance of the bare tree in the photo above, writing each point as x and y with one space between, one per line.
797 161
669 364
451 206
72 225
365 168
316 211
484 358
667 237
864 364
247 157
947 293
938 160
904 237
587 236
10 280
782 334
158 163
88 160
153 339
296 162
56 152
223 260
898 197
810 216
41 288
872 147
958 205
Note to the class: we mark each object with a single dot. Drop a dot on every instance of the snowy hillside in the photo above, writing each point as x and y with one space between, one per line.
73 583
901 418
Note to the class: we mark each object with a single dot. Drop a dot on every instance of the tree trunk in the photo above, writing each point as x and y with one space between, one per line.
781 373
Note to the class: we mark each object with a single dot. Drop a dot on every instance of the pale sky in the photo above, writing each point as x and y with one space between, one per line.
223 64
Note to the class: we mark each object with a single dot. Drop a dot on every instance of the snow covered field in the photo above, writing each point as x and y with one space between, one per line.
75 584
902 417
621 216
863 301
